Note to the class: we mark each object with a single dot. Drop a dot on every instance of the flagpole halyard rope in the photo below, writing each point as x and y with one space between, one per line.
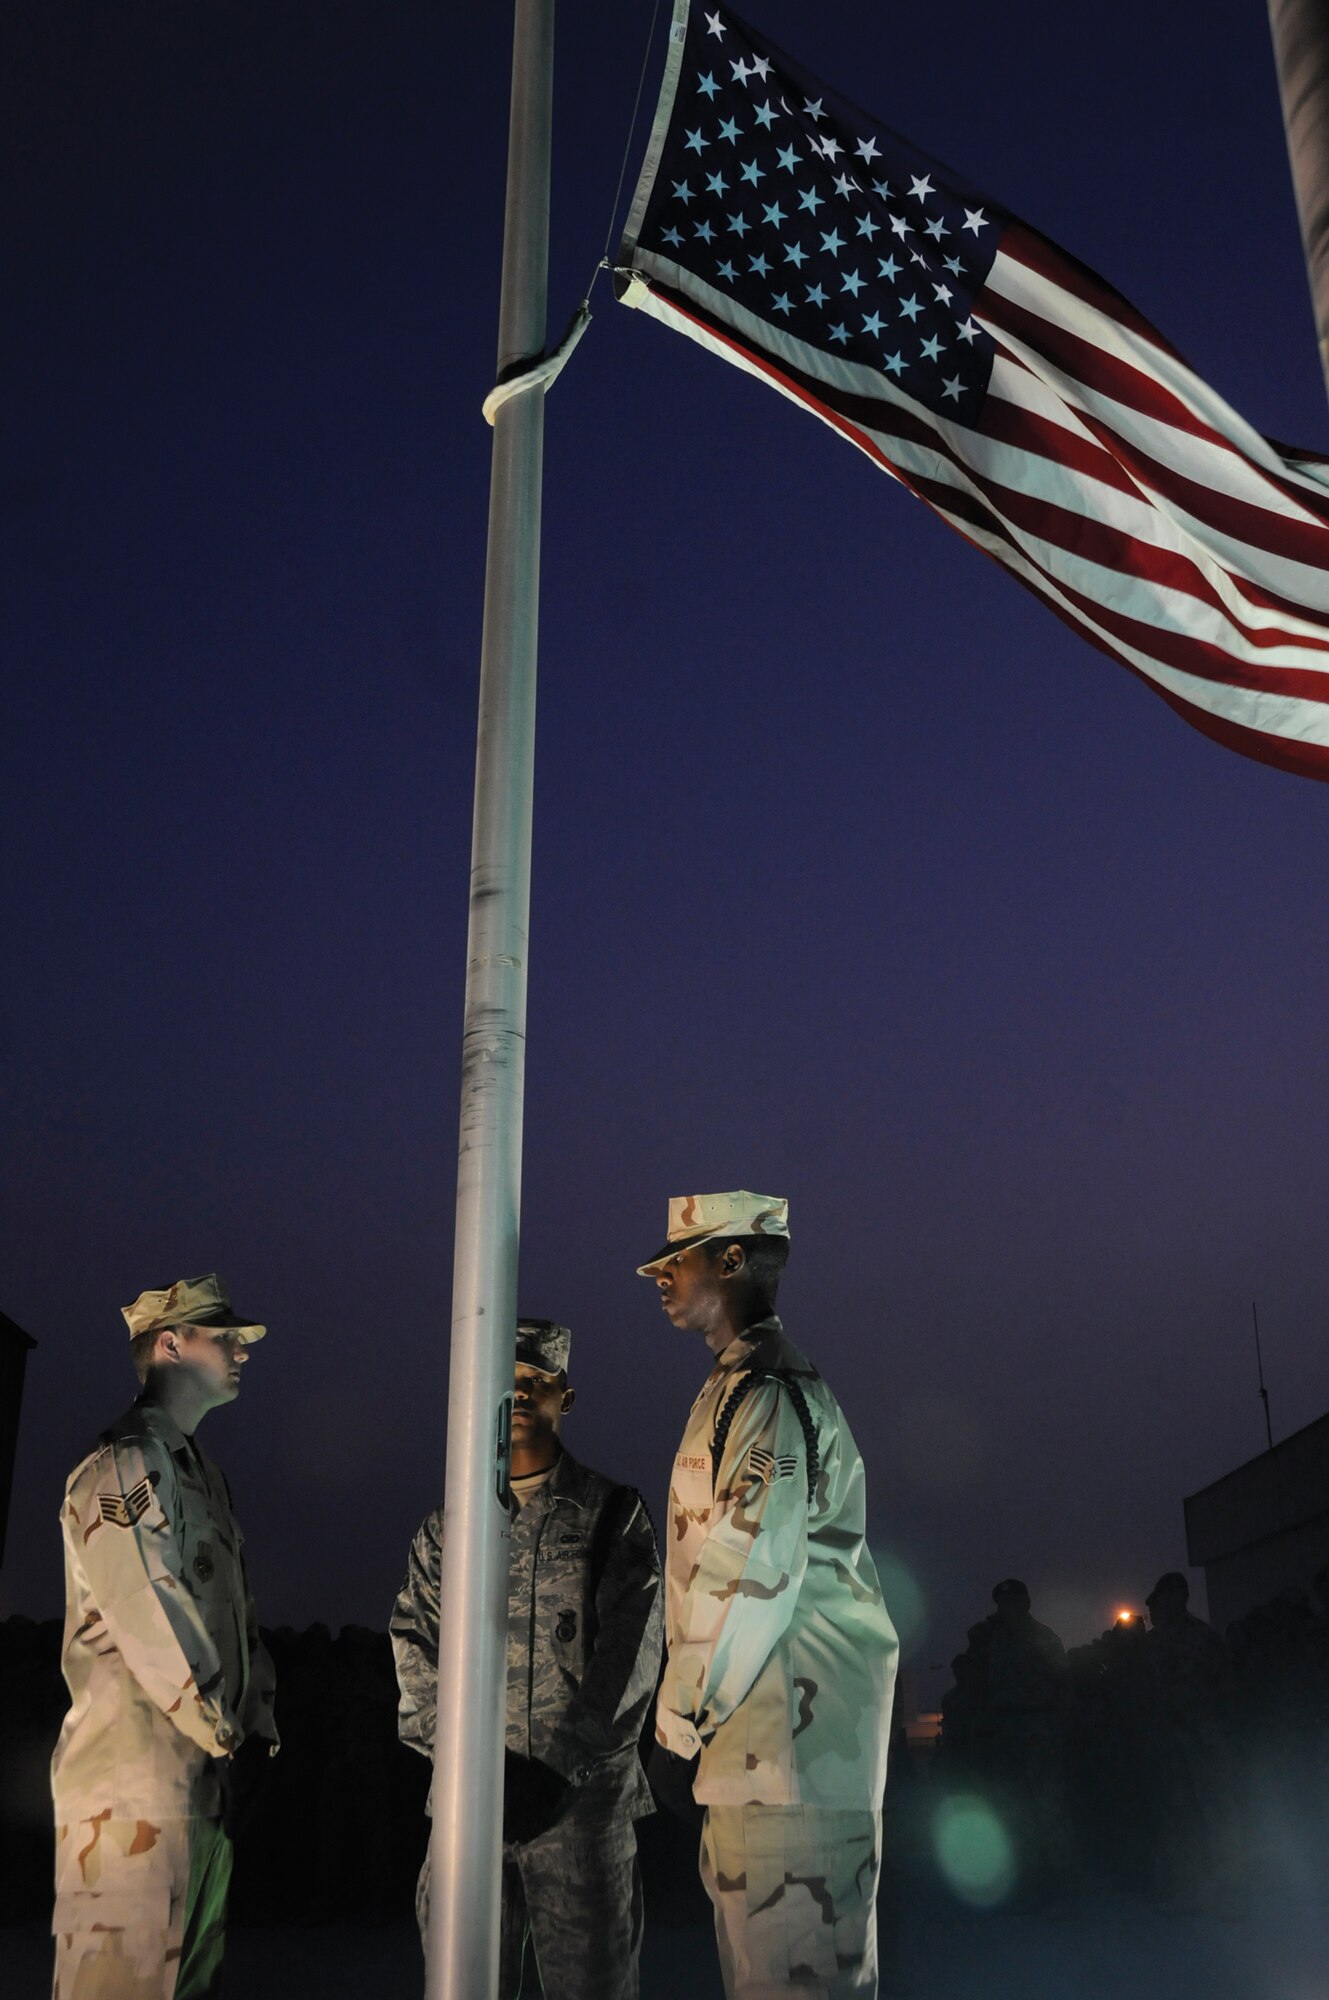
542 370
603 264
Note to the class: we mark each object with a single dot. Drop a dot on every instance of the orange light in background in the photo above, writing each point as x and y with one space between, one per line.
1125 1617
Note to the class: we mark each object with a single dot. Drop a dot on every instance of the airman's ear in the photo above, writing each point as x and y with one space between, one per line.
569 1398
735 1257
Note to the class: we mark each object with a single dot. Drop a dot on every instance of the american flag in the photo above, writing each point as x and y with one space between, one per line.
992 374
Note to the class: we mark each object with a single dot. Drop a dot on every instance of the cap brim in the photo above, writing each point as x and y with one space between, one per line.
229 1322
649 1269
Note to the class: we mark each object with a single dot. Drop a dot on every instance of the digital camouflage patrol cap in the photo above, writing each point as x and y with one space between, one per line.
189 1302
695 1217
543 1344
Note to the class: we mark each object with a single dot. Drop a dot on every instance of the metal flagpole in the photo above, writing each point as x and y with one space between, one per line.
465 1853
1300 30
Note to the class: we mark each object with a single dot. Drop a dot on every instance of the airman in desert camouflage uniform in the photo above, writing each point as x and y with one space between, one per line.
167 1676
781 1657
584 1640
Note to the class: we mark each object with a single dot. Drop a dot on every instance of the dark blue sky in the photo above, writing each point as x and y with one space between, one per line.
858 879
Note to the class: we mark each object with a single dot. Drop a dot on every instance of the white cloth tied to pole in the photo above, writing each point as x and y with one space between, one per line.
540 373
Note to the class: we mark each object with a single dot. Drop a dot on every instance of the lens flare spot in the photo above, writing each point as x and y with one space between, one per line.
974 1852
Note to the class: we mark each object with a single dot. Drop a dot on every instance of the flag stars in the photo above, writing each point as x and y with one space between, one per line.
901 227
728 130
975 219
840 333
774 214
740 70
968 332
867 226
883 188
707 86
812 108
782 303
795 254
752 172
920 189
888 268
942 294
672 236
936 229
695 142
952 388
705 231
954 266
788 158
738 225
726 270
716 183
758 266
851 282
810 200
873 325
867 149
917 257
844 187
816 295
831 148
895 364
931 349
766 115
714 25
683 192
910 309
832 243
760 66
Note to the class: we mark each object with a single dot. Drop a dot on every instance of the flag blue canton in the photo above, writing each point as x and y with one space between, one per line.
816 219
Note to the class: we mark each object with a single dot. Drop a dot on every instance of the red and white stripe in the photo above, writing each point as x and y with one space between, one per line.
1105 475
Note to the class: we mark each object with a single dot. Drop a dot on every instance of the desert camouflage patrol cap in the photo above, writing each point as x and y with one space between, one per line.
543 1344
189 1302
694 1217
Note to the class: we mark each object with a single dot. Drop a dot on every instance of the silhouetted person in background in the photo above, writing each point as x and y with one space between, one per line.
1112 1747
1189 1757
1028 1704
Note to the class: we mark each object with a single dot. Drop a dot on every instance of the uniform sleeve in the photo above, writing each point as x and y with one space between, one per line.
118 1520
414 1631
609 1708
741 1596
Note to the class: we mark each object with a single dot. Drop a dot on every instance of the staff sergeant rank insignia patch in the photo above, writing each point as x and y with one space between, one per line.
770 1468
124 1509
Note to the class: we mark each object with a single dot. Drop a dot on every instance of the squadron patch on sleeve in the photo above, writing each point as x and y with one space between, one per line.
770 1468
124 1509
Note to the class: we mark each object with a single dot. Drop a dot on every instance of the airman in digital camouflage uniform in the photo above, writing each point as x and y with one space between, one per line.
781 1657
170 1685
584 1626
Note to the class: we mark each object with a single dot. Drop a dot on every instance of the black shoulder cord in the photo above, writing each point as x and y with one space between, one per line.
730 1410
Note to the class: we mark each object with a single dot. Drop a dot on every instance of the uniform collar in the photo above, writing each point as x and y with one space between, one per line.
569 1480
162 1426
765 1344
156 1420
753 1338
